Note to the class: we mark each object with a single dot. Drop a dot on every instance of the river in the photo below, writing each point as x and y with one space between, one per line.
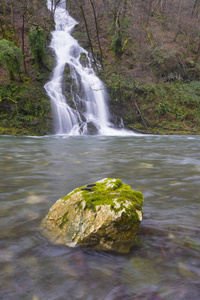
35 172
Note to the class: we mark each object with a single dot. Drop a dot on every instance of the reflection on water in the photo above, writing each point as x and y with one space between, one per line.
35 172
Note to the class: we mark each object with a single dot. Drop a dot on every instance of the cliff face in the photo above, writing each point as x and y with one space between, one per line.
147 53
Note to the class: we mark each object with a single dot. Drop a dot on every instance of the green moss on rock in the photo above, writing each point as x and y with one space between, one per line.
104 215
110 192
64 220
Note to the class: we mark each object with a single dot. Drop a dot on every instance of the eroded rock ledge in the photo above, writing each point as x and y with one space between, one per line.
104 215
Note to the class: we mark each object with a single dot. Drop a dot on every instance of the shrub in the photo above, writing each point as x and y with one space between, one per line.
10 58
36 42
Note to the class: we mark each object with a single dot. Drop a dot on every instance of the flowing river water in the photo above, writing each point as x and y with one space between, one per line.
165 264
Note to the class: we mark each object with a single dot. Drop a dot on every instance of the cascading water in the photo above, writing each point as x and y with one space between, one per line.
87 112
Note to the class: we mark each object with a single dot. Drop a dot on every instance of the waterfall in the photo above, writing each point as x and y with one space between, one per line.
86 111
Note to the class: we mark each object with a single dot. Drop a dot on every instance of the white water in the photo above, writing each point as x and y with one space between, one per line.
89 100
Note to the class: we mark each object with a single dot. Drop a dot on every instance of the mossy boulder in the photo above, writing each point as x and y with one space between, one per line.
105 215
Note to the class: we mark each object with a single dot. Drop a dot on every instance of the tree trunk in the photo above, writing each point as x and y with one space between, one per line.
13 24
197 53
195 6
178 21
4 7
97 31
88 35
23 52
2 29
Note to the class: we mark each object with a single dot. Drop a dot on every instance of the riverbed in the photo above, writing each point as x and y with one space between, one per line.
36 171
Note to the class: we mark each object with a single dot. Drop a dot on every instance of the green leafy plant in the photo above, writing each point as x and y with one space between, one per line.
36 40
10 58
163 108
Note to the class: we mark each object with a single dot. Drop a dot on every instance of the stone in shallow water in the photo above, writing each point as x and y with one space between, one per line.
92 128
103 216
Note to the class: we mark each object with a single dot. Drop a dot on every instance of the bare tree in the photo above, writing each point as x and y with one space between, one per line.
97 31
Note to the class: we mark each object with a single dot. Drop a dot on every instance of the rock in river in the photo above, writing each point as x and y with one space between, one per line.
105 215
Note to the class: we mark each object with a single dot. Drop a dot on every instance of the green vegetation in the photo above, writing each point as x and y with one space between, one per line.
11 58
164 107
36 42
176 106
25 109
119 38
